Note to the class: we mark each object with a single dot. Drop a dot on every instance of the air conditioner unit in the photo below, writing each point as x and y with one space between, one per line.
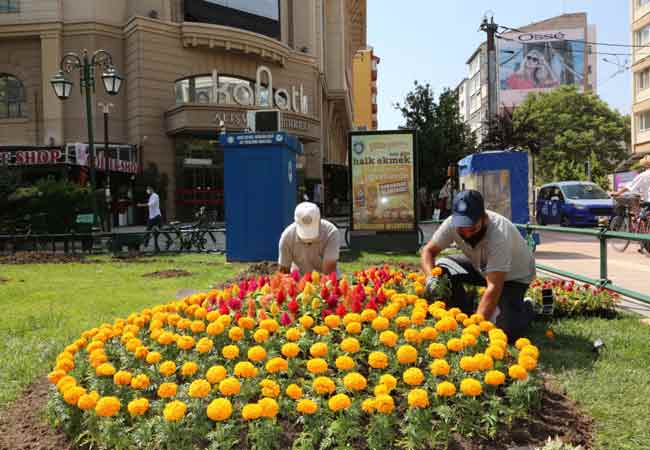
265 121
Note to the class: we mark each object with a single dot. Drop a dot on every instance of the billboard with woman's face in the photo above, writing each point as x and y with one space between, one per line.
539 61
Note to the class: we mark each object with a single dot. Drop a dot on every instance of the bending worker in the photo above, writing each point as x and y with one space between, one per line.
310 243
494 255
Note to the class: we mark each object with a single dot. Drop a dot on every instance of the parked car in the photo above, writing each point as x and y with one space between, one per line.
573 203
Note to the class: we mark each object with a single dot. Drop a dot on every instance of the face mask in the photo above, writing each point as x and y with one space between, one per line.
477 237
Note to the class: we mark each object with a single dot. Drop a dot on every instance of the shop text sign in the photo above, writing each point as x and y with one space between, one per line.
32 157
383 181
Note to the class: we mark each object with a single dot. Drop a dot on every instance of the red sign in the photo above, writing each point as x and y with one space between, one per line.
32 157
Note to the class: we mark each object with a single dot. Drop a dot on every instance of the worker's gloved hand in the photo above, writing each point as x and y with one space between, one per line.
430 288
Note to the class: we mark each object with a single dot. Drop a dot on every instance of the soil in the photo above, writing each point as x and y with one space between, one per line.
253 270
4 280
41 258
171 273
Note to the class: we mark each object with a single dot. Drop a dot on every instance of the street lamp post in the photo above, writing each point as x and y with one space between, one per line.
106 109
112 81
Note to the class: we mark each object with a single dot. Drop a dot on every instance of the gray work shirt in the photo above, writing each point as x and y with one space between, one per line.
503 249
294 253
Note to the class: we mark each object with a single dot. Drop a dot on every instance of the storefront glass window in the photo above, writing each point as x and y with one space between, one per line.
12 97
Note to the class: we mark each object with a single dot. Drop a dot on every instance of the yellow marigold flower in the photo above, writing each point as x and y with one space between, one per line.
72 395
153 357
473 329
446 324
225 320
332 321
183 324
530 350
66 365
527 362
230 351
261 335
522 342
276 365
485 362
486 326
455 344
388 338
294 391
229 386
384 404
215 328
517 372
345 363
306 406
381 389
495 352
199 389
105 370
290 350
107 406
88 401
388 380
122 378
378 360
468 340
321 330
418 398
165 338
497 334
380 324
350 345
292 334
198 326
413 376
418 316
270 388
270 407
402 322
167 390
204 345
469 364
412 335
55 376
235 334
355 381
428 333
339 402
440 367
215 374
318 350
445 389
437 350
368 315
219 409
138 407
317 365
167 368
353 328
247 323
174 411
407 354
256 353
323 385
368 405
270 325
471 387
351 317
251 411
140 382
495 378
133 344
306 322
94 345
390 311
477 318
185 343
189 368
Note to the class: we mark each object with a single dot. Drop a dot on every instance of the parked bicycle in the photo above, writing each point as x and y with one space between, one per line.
192 236
632 216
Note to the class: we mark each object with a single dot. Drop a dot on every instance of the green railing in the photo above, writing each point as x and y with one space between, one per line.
603 235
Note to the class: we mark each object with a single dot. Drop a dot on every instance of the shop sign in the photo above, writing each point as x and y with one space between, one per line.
32 157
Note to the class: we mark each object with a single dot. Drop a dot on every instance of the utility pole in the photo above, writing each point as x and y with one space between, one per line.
491 29
106 109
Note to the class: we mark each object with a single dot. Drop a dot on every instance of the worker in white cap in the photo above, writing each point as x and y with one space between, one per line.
310 243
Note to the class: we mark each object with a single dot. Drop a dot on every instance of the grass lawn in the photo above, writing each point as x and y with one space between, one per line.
45 307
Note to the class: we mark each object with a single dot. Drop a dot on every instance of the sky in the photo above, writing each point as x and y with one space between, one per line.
431 40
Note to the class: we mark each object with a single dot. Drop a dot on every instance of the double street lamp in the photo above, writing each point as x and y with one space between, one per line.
112 81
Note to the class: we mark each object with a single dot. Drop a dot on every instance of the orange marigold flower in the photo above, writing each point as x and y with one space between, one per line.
256 353
323 385
339 402
153 357
174 411
378 360
517 372
384 404
270 325
306 322
270 388
407 354
138 407
219 409
355 381
445 389
455 344
413 376
215 374
229 386
122 378
318 350
261 335
167 368
292 334
350 345
388 380
380 324
437 350
307 406
230 351
199 389
527 362
107 406
140 382
251 411
522 342
72 395
353 328
471 387
88 401
276 365
167 390
270 407
204 345
418 398
388 338
495 378
189 368
294 391
345 363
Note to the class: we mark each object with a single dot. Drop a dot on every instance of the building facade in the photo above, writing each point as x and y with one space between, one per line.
192 69
640 27
364 65
462 93
534 58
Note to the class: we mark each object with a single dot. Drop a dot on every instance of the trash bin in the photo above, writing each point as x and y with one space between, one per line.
260 192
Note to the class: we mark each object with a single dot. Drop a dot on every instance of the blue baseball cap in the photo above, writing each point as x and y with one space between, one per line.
468 208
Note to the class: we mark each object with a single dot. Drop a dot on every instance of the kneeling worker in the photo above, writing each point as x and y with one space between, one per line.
310 243
494 254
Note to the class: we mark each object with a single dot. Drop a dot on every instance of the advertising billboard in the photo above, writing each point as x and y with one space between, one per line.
383 181
539 62
258 16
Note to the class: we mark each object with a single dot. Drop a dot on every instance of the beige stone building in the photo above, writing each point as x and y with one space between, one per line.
640 27
188 66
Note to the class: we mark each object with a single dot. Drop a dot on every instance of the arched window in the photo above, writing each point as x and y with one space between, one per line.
12 97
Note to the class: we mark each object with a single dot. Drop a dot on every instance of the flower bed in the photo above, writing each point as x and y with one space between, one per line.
575 299
283 361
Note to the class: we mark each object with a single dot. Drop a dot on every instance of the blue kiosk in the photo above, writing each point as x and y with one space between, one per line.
260 192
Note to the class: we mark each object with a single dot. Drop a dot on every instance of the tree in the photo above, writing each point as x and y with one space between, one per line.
443 138
571 128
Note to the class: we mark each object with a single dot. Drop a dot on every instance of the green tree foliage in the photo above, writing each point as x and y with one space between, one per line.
569 129
443 138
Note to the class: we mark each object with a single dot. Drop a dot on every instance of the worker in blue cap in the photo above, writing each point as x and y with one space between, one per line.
493 255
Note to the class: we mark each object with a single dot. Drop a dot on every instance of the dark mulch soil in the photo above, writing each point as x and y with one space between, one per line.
4 280
22 426
41 258
137 258
253 271
171 273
